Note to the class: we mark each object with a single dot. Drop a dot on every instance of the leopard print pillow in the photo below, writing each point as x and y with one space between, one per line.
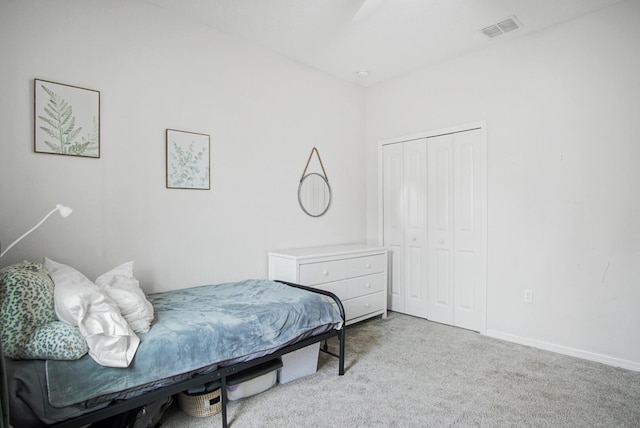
56 341
26 305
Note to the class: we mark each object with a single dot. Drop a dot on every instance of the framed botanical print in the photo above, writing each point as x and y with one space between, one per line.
67 119
187 160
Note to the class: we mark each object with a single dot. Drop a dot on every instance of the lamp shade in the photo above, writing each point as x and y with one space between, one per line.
64 211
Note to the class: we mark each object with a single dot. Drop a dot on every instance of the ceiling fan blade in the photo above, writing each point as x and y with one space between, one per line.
366 9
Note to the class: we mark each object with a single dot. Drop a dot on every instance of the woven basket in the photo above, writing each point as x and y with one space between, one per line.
200 405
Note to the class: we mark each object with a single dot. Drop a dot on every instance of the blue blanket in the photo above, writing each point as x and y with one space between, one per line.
195 328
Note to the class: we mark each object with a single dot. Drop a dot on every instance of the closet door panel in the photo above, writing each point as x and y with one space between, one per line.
440 199
395 294
441 273
440 229
393 228
468 221
415 186
464 294
413 274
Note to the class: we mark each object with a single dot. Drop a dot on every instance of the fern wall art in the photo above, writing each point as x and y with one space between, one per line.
67 119
187 160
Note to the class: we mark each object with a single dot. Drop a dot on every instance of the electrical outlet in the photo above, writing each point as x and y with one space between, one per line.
528 295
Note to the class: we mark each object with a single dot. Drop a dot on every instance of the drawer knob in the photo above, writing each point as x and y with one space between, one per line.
325 272
367 305
441 241
368 266
367 285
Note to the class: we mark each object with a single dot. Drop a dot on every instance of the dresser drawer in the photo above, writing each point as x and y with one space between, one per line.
318 273
339 288
363 285
359 266
363 305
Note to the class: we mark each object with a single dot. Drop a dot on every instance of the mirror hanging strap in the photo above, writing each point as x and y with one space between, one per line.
309 160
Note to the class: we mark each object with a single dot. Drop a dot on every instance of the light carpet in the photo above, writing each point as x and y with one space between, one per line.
409 372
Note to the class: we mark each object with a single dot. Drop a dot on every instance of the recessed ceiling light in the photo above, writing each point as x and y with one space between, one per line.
362 74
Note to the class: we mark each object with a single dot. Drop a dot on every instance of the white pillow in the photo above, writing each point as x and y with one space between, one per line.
80 303
121 286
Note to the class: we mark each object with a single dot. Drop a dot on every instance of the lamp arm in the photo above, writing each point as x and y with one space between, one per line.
28 232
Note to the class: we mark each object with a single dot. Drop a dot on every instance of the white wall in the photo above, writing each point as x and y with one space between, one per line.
155 70
562 109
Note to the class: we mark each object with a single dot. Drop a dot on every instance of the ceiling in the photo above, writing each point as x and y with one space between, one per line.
387 38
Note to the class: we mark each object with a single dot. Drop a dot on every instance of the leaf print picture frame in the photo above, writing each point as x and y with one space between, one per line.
66 119
188 159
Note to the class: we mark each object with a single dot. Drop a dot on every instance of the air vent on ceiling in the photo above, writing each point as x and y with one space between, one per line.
504 26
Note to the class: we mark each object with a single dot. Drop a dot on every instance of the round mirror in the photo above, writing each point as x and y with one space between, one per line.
314 194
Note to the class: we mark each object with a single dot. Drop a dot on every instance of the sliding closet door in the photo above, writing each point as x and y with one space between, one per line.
456 228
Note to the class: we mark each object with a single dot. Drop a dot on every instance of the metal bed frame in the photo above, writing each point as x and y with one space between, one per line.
219 376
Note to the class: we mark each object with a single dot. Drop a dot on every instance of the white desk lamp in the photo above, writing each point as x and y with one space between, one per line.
64 212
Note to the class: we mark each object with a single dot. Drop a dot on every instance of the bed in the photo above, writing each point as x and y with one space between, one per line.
200 335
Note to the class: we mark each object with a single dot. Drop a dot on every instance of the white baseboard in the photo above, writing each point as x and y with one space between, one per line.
565 350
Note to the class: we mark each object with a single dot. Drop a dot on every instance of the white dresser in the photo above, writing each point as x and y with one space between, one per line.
356 273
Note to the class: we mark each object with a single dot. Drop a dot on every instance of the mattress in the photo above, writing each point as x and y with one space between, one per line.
196 330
